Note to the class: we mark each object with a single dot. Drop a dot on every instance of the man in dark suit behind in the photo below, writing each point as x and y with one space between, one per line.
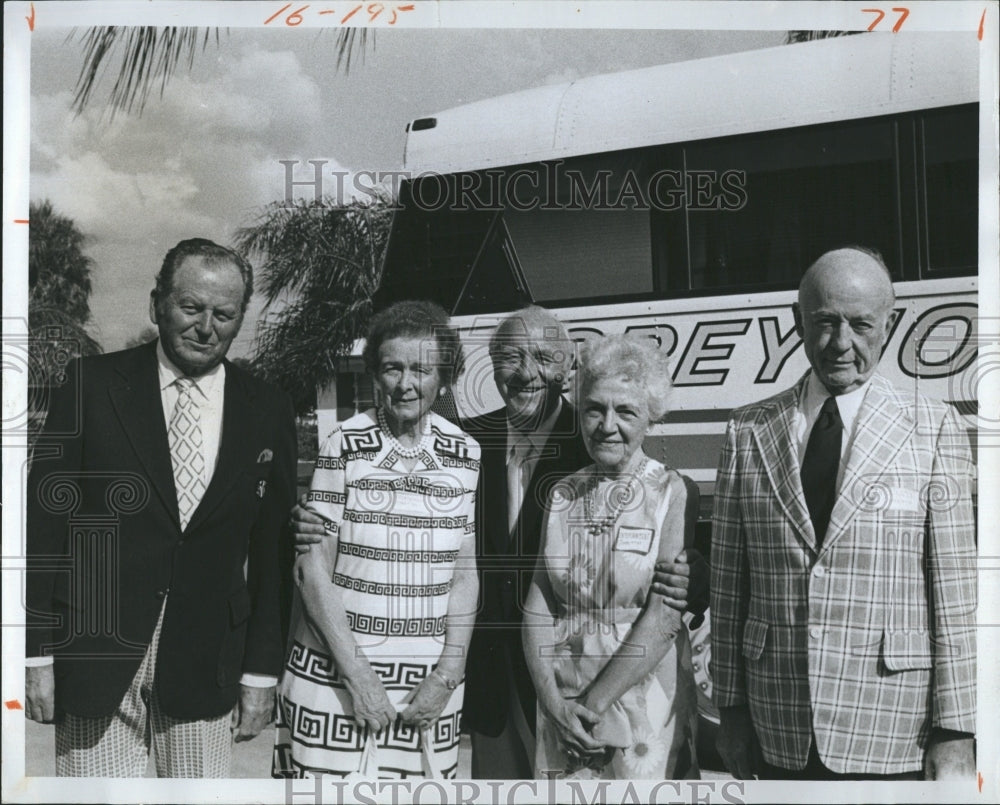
528 445
156 498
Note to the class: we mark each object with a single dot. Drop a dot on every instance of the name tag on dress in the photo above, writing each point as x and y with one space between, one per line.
635 540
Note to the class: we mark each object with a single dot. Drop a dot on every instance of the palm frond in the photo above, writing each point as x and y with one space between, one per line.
148 55
349 42
320 264
151 56
809 36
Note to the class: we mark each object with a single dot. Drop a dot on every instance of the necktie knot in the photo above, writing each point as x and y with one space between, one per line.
520 452
829 414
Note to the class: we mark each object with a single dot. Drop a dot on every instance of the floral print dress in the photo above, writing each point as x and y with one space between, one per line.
600 579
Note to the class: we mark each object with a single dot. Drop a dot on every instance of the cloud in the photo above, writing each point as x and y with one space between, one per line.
259 95
200 161
101 197
193 161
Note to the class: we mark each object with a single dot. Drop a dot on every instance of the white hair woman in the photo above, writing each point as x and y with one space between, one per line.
610 662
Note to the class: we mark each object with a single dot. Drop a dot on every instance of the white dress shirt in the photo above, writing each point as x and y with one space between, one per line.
523 451
814 394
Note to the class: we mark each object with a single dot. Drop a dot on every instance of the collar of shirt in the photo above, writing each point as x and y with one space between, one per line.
814 394
209 385
531 444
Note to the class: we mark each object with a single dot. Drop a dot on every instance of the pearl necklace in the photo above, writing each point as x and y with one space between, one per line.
405 452
620 494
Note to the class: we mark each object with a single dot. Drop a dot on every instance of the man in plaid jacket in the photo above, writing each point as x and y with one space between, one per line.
843 633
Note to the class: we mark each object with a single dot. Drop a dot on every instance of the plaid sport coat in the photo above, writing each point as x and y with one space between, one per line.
867 642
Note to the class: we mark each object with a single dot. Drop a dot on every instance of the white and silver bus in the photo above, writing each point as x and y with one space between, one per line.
684 201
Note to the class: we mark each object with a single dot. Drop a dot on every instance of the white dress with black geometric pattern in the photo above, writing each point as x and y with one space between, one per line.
399 533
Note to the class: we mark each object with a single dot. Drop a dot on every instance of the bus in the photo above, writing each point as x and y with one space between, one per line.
684 201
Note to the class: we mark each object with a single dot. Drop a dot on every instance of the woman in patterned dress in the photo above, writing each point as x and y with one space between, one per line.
389 595
610 661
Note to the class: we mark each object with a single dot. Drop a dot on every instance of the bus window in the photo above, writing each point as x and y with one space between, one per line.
739 214
567 254
433 246
496 283
580 226
951 186
805 190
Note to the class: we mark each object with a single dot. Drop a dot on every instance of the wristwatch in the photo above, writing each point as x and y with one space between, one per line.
448 682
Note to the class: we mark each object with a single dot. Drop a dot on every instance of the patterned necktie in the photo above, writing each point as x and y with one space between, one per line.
186 456
820 466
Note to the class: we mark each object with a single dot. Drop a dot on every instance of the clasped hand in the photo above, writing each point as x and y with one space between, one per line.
574 720
372 707
425 702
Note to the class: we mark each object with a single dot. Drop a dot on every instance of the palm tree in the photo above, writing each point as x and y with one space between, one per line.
150 56
321 263
58 303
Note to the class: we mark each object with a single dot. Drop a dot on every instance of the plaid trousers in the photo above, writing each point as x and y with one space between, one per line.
118 745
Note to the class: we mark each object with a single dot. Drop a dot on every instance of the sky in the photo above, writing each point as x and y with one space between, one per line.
203 159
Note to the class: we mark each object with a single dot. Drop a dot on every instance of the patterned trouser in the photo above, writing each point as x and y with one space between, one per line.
118 745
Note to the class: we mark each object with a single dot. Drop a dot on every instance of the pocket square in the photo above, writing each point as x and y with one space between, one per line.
265 456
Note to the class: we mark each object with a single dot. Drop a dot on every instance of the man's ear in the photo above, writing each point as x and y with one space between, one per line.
891 320
152 307
797 315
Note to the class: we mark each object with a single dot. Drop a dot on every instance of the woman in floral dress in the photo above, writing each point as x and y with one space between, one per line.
610 661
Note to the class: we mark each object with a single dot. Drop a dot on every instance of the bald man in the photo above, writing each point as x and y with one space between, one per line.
527 445
843 591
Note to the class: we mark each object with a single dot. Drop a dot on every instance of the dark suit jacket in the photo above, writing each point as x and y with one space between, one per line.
105 544
506 562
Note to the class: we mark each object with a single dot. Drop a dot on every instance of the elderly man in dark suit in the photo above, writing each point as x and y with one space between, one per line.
528 445
843 559
156 498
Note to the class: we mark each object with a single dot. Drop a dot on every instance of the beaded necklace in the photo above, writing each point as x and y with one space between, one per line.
620 495
405 452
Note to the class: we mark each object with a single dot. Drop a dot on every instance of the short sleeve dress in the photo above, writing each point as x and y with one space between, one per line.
399 534
600 580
